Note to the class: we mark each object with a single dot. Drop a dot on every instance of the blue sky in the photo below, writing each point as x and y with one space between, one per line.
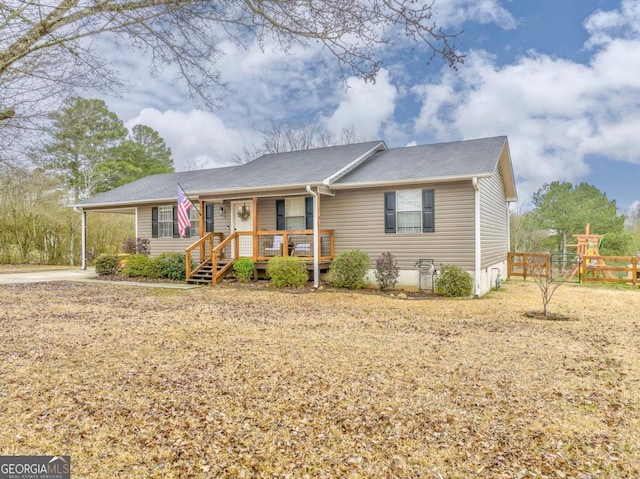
561 79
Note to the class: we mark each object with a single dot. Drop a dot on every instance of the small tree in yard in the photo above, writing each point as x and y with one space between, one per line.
386 271
539 268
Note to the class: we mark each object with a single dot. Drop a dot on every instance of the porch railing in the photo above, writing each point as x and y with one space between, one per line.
200 252
213 250
268 244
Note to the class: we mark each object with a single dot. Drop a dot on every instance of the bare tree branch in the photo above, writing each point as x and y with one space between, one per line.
283 137
44 51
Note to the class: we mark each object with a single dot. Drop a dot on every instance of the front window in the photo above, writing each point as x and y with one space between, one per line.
165 221
409 211
195 222
294 213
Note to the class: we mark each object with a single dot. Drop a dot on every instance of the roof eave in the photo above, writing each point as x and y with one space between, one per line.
197 195
408 181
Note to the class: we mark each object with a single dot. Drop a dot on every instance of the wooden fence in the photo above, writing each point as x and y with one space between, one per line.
605 269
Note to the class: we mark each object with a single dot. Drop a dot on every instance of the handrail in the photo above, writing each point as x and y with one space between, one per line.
215 274
204 257
211 253
188 250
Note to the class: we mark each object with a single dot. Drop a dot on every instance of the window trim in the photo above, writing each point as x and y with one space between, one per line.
156 222
427 210
281 218
168 223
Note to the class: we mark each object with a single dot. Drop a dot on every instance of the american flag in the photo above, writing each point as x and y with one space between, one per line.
184 205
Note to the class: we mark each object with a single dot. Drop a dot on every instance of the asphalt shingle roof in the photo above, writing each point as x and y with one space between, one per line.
443 160
273 170
298 168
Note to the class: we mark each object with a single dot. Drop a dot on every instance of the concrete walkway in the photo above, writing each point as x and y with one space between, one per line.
79 275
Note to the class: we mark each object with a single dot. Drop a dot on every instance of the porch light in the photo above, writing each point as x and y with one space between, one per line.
243 212
221 211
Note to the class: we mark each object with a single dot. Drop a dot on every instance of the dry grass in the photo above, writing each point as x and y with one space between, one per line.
30 268
254 383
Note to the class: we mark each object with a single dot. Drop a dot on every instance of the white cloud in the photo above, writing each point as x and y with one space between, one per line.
365 106
196 138
556 113
459 12
605 26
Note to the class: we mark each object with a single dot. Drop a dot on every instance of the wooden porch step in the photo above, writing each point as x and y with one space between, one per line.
205 274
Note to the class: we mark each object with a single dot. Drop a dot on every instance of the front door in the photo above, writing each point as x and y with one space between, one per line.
242 221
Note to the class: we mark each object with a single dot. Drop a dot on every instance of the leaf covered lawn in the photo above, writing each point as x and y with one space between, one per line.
226 382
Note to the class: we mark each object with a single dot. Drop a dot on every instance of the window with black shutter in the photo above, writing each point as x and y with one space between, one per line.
409 211
162 221
208 217
294 213
281 221
154 222
308 212
390 212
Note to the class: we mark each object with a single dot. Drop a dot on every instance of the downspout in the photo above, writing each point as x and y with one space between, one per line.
508 227
316 238
478 257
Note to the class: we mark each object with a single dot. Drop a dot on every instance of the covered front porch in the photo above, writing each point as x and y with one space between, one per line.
246 232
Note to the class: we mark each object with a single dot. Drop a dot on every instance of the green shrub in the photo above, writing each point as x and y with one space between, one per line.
453 281
243 269
287 271
172 265
107 264
138 266
349 268
387 271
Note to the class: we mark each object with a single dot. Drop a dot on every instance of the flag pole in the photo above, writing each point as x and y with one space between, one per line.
192 203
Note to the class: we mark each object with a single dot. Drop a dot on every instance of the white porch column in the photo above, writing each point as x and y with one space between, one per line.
84 240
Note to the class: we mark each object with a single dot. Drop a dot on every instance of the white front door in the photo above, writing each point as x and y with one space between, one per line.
242 221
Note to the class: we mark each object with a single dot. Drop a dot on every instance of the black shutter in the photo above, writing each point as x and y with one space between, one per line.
428 211
208 217
176 231
390 212
154 222
308 212
281 222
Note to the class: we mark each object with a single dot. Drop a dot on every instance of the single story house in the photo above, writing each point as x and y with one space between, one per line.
447 202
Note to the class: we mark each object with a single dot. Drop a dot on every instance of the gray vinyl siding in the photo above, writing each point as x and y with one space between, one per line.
493 220
221 224
159 245
358 219
267 214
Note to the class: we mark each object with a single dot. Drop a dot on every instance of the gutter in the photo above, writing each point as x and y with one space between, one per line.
478 257
316 238
408 181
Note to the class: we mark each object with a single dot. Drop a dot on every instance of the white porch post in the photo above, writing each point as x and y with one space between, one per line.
84 240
